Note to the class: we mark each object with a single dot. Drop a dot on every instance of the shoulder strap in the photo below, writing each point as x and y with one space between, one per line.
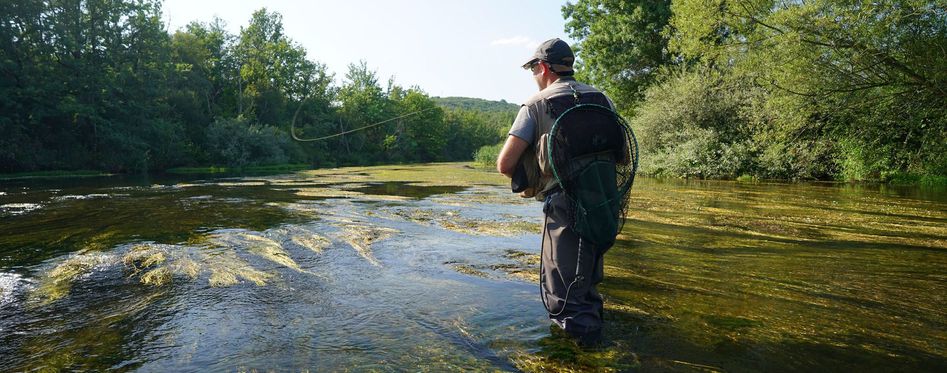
560 103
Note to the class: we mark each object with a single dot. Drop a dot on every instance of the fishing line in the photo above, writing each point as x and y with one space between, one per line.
292 126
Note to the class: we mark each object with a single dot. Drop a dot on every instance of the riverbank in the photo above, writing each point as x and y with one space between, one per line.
211 170
54 174
202 170
486 156
484 160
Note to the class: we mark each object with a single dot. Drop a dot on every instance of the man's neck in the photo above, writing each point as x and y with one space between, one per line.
558 79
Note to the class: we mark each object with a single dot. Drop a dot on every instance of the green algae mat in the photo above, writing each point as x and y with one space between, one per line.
434 267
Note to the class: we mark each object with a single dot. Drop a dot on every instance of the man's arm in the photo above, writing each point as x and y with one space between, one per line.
510 155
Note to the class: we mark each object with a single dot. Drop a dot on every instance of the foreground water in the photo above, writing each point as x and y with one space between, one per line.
433 268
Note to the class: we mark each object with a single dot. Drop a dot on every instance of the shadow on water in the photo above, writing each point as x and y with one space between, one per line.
696 239
706 300
660 345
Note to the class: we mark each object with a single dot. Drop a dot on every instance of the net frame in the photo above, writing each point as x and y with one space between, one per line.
625 172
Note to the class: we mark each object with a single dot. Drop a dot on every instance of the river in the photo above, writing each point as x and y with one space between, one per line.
434 268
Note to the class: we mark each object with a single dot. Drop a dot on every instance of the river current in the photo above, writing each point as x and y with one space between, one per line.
434 268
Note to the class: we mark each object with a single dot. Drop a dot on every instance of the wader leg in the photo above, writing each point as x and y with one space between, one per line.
582 315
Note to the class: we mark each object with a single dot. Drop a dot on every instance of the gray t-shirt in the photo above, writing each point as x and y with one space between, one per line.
524 126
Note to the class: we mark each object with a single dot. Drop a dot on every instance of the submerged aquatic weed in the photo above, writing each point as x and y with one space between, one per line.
482 195
518 272
185 267
226 269
526 267
164 261
431 174
144 256
452 220
149 256
225 278
560 353
566 361
304 237
327 192
157 277
65 345
270 250
100 241
259 245
468 269
312 241
57 283
361 238
522 257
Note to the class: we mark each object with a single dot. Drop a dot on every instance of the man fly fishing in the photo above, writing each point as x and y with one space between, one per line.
568 148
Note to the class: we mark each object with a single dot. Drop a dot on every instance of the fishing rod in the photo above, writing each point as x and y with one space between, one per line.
292 126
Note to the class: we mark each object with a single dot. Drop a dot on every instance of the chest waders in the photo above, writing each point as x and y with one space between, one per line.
593 156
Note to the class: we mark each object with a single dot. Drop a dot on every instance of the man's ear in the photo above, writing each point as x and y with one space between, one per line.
546 68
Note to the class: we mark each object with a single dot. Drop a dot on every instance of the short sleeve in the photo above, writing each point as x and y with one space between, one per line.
524 126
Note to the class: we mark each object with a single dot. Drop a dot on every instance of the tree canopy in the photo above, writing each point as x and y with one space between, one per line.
822 89
93 84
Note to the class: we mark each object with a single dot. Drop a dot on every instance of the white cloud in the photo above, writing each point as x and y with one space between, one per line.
517 41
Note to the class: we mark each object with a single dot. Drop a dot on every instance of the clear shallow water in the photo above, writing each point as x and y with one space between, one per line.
379 269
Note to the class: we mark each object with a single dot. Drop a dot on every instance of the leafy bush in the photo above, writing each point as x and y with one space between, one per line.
487 155
237 143
690 126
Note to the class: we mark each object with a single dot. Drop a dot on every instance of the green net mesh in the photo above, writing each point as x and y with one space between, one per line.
594 156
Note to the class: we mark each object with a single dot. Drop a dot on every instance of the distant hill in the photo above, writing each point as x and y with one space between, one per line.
476 104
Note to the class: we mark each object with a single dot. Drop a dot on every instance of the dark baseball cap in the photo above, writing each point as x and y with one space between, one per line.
555 52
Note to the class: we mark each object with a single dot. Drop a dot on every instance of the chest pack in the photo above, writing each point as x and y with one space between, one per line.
593 156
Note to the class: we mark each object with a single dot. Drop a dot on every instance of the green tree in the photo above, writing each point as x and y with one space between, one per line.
867 76
88 78
622 44
25 59
469 130
425 131
101 84
205 76
274 71
363 103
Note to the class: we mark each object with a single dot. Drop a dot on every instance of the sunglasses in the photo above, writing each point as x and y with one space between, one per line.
533 65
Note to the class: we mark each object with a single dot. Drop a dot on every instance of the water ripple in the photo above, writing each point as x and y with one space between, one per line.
18 208
81 197
9 284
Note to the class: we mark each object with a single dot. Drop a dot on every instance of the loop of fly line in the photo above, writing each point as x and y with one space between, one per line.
292 127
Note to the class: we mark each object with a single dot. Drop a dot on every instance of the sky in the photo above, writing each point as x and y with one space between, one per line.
470 48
